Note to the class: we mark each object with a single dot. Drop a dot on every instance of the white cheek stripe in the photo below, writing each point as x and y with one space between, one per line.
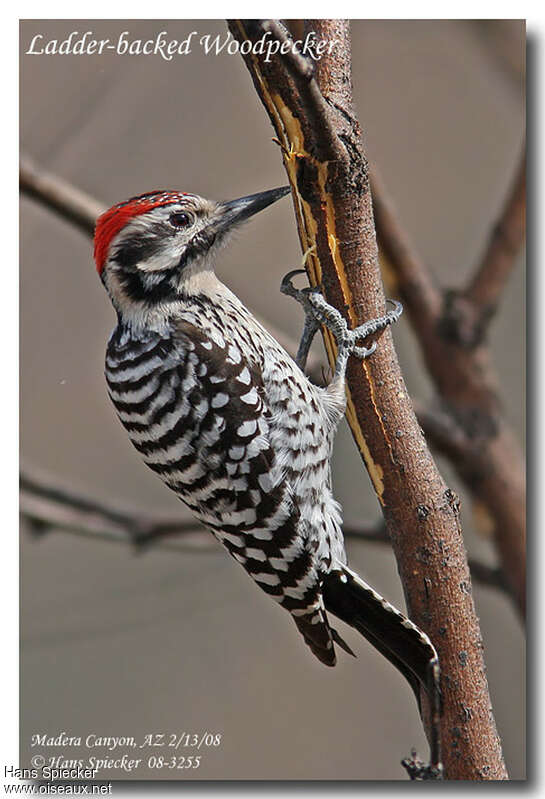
164 259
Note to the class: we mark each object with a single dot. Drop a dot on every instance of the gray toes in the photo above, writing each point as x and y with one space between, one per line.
363 352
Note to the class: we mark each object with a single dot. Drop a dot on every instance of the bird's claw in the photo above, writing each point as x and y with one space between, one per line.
363 352
319 312
287 287
417 769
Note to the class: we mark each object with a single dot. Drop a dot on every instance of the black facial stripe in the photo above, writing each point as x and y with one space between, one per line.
139 246
135 249
139 287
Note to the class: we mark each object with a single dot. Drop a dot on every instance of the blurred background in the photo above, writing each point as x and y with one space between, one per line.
116 643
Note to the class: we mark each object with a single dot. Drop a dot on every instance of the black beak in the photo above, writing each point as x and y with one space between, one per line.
236 211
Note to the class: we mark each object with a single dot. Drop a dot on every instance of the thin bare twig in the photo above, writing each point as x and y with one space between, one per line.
442 432
485 288
48 505
71 203
404 271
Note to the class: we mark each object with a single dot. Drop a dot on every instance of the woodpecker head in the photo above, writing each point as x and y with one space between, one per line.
161 246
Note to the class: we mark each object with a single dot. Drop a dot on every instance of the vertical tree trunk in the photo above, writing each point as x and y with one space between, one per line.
316 125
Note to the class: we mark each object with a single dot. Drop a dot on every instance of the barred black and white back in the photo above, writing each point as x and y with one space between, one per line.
227 420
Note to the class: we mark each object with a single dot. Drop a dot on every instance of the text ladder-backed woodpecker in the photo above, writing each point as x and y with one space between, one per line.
229 421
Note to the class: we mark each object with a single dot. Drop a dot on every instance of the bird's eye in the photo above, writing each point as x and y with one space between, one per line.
179 219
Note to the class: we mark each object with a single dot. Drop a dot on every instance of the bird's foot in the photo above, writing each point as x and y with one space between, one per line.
417 769
319 312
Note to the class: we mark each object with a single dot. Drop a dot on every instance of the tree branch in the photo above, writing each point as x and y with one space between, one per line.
302 73
480 444
404 272
484 291
73 205
482 573
442 433
335 222
47 505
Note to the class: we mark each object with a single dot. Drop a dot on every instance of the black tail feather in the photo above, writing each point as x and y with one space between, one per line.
349 598
318 636
396 637
341 642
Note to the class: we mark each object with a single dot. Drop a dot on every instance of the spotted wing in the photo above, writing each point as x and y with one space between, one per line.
195 408
244 495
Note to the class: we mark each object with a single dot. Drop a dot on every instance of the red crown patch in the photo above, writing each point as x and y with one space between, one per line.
112 221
